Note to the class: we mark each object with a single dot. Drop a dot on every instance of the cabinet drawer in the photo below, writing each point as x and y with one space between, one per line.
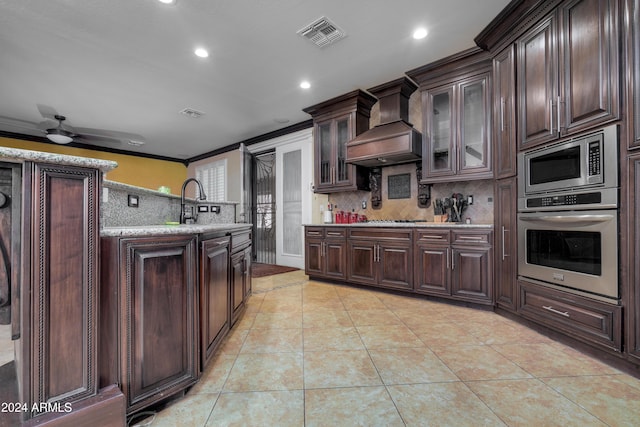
579 317
471 237
314 231
396 234
333 233
433 236
240 240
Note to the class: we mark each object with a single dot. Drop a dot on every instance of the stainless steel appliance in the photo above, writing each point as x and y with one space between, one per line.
576 250
568 215
580 173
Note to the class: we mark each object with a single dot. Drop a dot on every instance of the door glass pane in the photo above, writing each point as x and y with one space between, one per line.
473 131
292 203
441 131
578 251
343 137
325 152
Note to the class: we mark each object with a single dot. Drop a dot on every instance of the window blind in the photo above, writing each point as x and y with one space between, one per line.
213 178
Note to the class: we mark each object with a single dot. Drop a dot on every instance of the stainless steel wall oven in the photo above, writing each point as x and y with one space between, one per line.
568 215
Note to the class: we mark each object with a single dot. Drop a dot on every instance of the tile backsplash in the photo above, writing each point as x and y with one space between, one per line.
480 212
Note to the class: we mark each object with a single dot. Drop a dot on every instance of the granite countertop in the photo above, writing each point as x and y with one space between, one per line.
425 224
161 230
133 188
16 155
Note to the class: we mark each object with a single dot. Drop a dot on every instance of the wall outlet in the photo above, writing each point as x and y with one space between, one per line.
470 199
215 209
364 204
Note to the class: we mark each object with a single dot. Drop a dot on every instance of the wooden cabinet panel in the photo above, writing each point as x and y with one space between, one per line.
313 256
214 295
335 258
432 270
631 295
582 318
506 259
336 122
361 266
568 69
326 256
632 32
395 269
150 314
504 113
237 285
471 273
57 352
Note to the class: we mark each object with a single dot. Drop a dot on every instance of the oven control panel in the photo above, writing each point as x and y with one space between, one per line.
564 200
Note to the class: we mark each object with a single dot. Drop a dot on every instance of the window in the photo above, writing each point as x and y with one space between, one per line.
213 178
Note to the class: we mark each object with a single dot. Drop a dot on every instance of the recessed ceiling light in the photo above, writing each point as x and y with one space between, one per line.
420 33
201 52
305 84
281 120
167 1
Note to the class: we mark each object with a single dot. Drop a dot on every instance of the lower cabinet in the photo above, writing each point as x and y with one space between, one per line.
585 319
325 252
454 263
215 313
240 272
149 317
380 257
506 260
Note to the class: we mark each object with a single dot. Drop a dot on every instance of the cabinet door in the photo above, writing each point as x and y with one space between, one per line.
248 260
504 123
214 295
632 31
537 84
324 154
506 244
314 249
237 285
161 317
432 270
361 265
342 170
440 139
471 272
631 264
474 153
335 258
588 64
394 263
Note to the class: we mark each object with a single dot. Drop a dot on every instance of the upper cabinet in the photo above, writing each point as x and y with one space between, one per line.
504 113
568 71
336 122
632 31
456 109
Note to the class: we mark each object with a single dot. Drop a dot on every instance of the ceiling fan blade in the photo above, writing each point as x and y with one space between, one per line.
17 123
47 111
113 134
95 139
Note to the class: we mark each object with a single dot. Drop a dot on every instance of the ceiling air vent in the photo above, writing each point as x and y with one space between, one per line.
190 112
322 32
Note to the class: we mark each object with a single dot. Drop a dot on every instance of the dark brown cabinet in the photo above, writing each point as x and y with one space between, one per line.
631 295
454 263
240 272
325 249
380 257
632 32
456 108
215 312
149 310
432 262
336 122
506 259
504 113
57 350
568 75
581 318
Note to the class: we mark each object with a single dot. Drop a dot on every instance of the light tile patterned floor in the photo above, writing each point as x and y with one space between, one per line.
309 353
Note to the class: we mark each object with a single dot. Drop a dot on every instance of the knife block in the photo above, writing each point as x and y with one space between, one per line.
440 218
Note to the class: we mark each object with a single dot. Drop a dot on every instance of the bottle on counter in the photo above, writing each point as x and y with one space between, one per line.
328 215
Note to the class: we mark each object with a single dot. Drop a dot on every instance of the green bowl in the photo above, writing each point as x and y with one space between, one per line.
171 223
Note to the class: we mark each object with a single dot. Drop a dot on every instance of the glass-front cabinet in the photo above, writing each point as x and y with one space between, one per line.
336 122
457 137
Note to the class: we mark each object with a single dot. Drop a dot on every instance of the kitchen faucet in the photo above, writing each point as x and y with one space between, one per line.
190 215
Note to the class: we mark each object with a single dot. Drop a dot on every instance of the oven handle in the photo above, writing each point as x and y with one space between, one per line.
571 220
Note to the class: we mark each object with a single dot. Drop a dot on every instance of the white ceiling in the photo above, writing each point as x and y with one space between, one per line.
128 65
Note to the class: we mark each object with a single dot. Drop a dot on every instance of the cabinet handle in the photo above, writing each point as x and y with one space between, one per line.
558 112
333 175
453 262
504 254
553 310
376 253
470 237
447 258
551 116
333 233
432 237
502 114
313 233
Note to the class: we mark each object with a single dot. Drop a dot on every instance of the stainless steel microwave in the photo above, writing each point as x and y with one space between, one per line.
575 165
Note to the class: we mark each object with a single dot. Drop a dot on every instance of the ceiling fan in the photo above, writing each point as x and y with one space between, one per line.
60 132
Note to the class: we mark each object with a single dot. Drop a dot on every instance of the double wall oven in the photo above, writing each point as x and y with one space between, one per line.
568 215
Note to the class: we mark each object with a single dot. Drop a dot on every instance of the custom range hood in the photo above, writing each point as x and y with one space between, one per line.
394 140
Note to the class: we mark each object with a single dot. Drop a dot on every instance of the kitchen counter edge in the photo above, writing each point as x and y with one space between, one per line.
162 230
406 225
